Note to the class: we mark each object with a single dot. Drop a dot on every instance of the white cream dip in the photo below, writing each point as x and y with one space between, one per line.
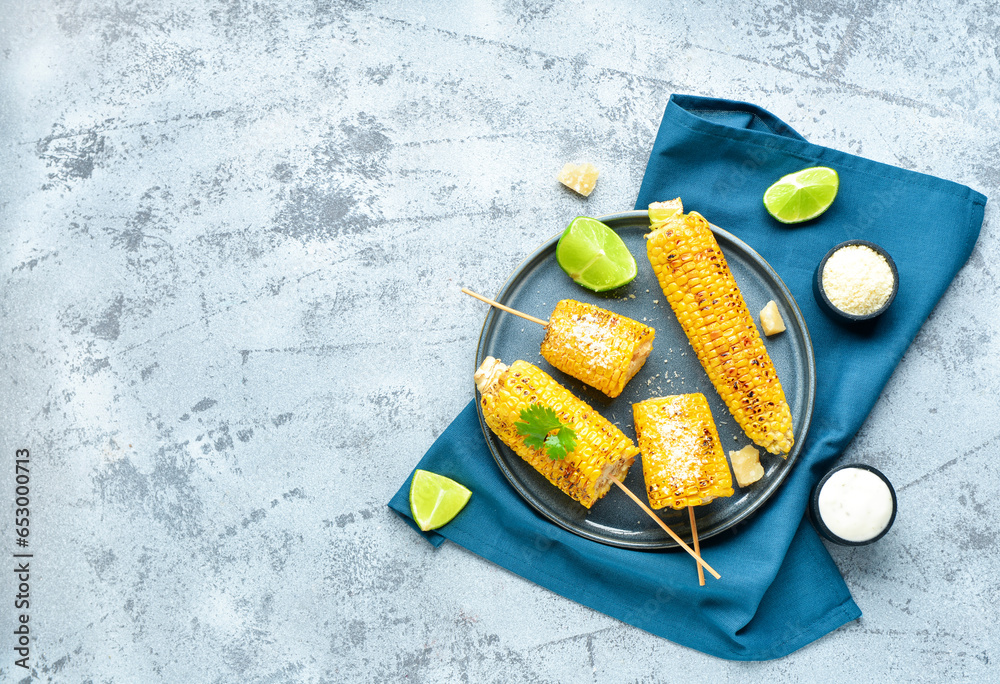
855 504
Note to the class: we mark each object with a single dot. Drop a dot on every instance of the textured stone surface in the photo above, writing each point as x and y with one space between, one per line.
233 235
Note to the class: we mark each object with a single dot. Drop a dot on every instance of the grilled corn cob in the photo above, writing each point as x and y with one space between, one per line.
602 451
706 299
682 459
595 345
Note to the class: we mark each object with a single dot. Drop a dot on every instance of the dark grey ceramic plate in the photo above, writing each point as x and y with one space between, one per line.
672 368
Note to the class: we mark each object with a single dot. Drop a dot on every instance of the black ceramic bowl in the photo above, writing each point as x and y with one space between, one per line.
825 302
817 519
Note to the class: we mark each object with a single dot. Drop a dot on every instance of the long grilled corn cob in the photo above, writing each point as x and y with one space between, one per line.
682 458
602 451
706 299
599 347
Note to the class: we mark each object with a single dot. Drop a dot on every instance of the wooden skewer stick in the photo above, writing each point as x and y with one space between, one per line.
695 554
697 547
498 305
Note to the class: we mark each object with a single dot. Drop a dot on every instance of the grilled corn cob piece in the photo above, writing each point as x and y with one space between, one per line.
682 459
595 345
602 451
706 299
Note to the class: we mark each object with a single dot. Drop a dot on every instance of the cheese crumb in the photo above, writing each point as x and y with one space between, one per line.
746 465
581 178
770 319
857 280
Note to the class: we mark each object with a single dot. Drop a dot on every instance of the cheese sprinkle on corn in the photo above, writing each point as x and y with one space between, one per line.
682 458
599 347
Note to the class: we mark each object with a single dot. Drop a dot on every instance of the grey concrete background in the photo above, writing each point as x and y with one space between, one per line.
232 239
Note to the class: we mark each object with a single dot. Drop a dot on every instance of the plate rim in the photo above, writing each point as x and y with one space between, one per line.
628 218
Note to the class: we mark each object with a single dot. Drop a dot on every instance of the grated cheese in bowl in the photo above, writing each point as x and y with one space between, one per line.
858 280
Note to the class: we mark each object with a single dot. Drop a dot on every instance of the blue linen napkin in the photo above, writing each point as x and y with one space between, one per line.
780 589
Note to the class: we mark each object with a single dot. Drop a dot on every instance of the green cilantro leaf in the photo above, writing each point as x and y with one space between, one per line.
541 429
560 444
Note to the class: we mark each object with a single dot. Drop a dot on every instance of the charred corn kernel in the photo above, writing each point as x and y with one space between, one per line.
682 459
595 345
709 306
602 451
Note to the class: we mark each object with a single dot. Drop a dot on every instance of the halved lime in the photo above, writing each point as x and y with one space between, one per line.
594 256
802 195
435 499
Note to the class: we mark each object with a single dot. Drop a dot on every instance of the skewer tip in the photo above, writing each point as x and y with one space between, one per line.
666 529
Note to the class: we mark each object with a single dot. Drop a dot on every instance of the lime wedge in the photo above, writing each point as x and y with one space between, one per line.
435 499
594 256
802 195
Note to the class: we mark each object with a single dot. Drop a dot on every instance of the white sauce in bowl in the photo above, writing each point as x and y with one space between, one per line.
855 504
